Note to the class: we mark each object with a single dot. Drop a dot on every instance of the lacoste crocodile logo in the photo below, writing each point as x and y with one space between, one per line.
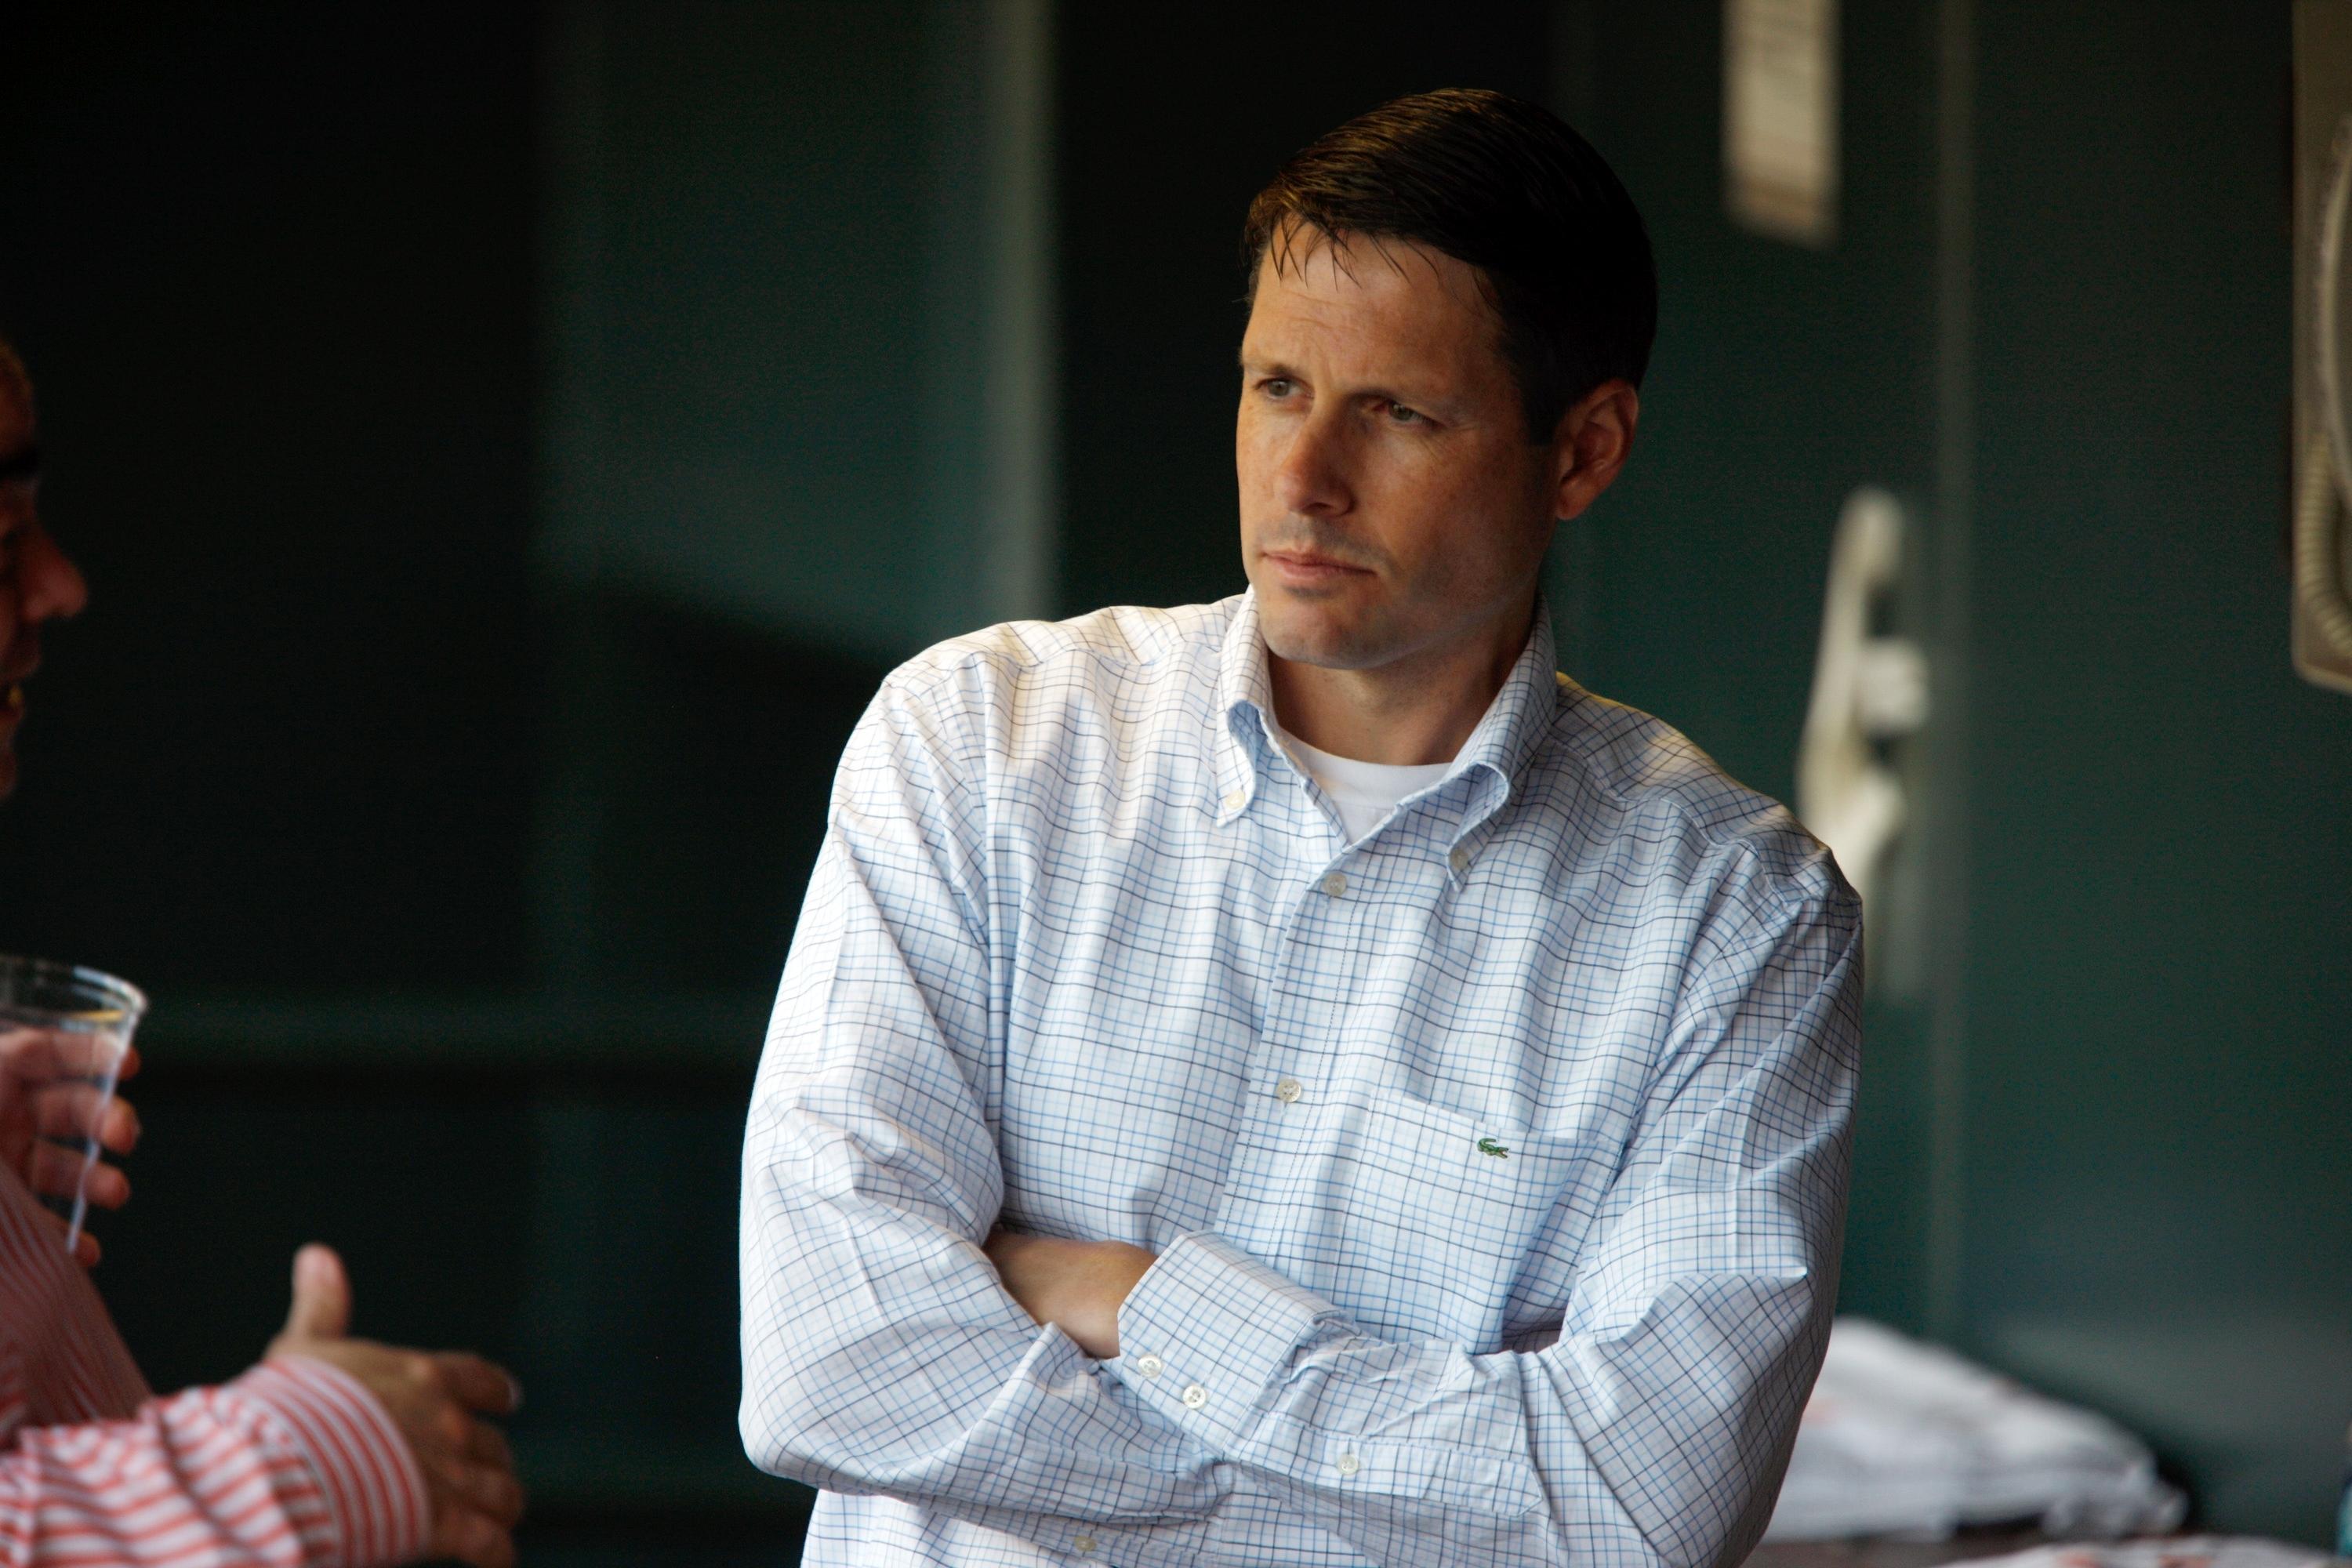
1489 1146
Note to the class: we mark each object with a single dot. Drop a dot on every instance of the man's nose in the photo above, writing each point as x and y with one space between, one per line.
50 587
1312 478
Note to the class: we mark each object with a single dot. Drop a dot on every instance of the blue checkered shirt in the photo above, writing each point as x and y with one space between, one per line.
1496 1163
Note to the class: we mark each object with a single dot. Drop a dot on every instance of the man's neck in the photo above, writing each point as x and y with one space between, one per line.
1416 711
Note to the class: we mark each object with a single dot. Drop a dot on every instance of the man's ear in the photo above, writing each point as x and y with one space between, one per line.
1590 445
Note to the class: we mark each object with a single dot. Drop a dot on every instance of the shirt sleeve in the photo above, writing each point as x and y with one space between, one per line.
294 1464
880 1353
1655 1429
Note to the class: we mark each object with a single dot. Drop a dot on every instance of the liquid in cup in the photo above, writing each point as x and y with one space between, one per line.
91 1016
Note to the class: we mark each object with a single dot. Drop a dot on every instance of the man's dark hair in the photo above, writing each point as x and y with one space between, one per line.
1507 187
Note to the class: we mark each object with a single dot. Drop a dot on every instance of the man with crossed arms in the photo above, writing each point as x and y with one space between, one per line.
1295 1080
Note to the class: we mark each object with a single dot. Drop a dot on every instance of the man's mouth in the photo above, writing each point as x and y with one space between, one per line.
1306 564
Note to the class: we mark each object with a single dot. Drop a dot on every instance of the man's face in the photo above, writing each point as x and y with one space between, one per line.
1392 504
37 582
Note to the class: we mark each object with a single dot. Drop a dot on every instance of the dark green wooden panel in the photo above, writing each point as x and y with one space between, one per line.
2160 989
742 248
697 759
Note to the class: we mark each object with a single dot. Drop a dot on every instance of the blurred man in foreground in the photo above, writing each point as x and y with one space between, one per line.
1295 1080
333 1451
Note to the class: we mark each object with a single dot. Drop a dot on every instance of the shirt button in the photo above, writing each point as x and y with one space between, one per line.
1085 1544
1151 1365
1348 1465
1233 801
1335 883
1460 859
1195 1397
1288 1090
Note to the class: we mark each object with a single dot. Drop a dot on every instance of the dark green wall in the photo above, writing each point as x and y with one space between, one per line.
740 241
2160 813
2102 1141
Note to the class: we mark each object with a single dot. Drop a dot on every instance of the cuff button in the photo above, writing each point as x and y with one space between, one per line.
1151 1365
1195 1397
1347 1464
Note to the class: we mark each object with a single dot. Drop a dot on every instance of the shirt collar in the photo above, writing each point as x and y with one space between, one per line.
1508 734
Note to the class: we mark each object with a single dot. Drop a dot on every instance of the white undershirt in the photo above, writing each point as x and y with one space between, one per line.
1364 792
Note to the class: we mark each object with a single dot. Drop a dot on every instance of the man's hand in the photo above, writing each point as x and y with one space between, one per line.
433 1398
50 1108
1077 1285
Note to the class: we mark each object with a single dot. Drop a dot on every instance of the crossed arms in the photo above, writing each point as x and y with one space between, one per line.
1184 1408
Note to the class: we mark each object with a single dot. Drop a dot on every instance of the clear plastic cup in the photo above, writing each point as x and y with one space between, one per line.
91 1016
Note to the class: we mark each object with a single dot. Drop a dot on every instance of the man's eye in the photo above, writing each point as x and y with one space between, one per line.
1276 386
1400 415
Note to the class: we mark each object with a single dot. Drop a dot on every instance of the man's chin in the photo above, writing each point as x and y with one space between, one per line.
1324 642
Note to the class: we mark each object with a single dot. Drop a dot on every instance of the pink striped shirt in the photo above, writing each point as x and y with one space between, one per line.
293 1465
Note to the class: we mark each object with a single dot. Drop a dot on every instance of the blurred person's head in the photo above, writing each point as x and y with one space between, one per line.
38 583
1452 305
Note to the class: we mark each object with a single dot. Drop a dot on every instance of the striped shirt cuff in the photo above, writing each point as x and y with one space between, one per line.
373 1487
1205 1333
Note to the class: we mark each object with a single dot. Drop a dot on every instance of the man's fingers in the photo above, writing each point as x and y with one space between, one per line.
323 1295
478 1384
119 1127
107 1187
75 1111
28 1055
488 1446
485 1490
86 1247
471 1538
56 1173
40 1056
56 1170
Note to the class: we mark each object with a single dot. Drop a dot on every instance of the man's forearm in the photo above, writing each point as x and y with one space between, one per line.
1077 1285
883 1355
1633 1449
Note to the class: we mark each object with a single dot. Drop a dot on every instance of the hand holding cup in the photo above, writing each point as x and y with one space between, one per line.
57 1115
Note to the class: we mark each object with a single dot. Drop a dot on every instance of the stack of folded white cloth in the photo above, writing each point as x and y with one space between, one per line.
1905 1439
2174 1552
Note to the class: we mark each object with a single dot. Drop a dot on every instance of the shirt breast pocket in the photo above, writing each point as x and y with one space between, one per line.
1442 1215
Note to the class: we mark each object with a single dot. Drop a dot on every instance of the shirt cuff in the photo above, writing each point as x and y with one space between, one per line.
370 1479
1208 1333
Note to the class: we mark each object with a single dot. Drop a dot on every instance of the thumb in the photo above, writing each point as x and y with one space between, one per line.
323 1295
